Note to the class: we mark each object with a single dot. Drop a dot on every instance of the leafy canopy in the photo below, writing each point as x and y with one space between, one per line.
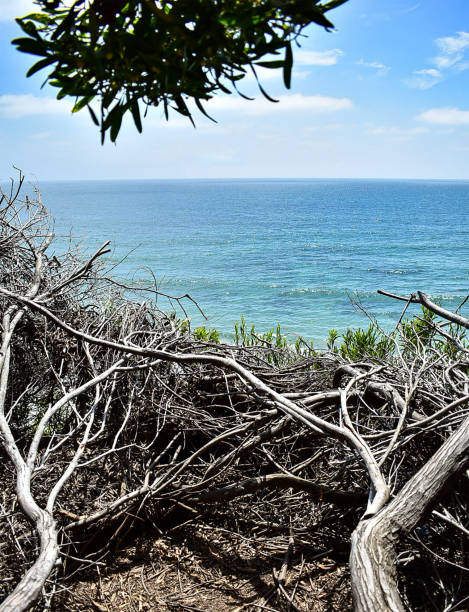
145 52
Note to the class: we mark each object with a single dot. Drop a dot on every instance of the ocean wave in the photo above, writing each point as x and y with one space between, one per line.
327 291
318 290
363 294
394 271
447 296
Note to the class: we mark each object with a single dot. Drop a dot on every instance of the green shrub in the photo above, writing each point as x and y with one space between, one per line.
365 344
206 335
422 331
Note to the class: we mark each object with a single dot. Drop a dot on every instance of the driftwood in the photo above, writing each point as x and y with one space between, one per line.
373 558
113 414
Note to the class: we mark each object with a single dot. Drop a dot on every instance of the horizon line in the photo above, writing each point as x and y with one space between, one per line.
240 178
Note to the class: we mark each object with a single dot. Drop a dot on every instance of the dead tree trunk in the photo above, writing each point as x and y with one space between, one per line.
373 554
29 588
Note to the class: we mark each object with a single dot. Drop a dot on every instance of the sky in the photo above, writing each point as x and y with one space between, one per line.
386 95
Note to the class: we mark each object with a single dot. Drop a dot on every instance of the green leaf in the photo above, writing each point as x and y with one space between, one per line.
65 24
202 110
317 17
223 88
28 27
108 97
93 27
265 94
181 108
39 17
115 128
81 103
114 120
92 114
288 65
40 64
30 45
333 4
135 110
271 64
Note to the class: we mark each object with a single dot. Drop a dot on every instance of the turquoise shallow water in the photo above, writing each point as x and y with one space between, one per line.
288 251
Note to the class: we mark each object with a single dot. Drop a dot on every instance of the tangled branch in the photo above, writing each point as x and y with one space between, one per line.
113 415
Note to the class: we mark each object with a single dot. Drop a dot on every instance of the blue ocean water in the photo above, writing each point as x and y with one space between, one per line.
279 251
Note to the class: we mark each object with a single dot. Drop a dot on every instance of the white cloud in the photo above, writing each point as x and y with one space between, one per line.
452 56
9 10
42 136
17 106
397 134
301 74
326 127
317 58
381 68
453 44
452 49
411 9
287 103
448 115
447 61
396 131
373 18
425 79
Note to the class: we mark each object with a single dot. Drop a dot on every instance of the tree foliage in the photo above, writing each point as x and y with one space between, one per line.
141 53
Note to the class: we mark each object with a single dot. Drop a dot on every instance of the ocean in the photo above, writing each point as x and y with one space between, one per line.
294 252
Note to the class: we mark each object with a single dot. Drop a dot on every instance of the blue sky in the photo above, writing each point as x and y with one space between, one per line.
385 96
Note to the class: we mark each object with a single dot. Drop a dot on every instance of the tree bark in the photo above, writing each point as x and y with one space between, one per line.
373 553
30 586
283 481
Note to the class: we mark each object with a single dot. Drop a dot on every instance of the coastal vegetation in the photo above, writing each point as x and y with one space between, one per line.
148 465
